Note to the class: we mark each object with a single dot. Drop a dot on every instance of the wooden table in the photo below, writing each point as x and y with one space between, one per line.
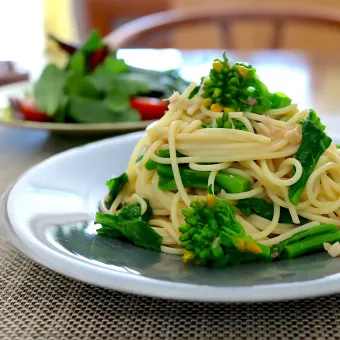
310 79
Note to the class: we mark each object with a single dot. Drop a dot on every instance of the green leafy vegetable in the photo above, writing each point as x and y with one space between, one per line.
223 122
77 64
131 225
115 185
96 87
118 101
93 43
199 179
49 90
193 93
307 241
151 164
212 235
314 143
261 207
78 86
83 110
239 125
238 87
169 184
280 100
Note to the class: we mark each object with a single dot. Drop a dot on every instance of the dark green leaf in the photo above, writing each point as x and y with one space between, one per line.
61 113
315 119
130 225
49 89
112 65
77 64
93 43
117 101
239 125
314 143
194 92
84 110
261 207
148 213
80 86
280 100
125 83
115 186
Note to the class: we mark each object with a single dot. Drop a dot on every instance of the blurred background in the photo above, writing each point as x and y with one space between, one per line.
24 24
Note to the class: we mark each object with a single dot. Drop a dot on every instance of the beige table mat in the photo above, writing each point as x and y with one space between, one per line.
36 303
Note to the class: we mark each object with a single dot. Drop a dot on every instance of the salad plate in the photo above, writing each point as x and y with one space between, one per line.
94 91
60 128
48 215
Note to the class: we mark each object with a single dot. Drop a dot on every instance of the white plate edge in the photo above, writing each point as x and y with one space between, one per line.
159 288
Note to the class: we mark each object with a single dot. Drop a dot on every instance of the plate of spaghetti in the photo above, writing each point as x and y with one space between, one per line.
233 195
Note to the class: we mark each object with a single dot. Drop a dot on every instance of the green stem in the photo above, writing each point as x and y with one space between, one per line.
323 229
232 183
169 184
229 182
310 244
152 165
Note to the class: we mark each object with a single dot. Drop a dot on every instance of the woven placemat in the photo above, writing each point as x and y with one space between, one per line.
36 303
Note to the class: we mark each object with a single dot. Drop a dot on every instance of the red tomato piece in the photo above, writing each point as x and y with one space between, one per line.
149 108
30 111
97 57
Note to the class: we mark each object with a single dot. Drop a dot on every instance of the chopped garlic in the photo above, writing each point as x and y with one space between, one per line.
332 249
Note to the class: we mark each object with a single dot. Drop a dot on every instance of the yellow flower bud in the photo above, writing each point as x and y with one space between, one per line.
228 109
253 247
207 102
217 107
188 256
211 200
218 66
240 244
243 71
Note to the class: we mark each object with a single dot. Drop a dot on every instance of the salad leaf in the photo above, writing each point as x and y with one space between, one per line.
77 85
111 66
49 89
93 43
77 64
314 143
115 185
261 207
84 110
131 225
96 87
126 83
60 115
118 101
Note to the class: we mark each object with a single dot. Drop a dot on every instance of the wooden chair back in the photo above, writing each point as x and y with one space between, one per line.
278 14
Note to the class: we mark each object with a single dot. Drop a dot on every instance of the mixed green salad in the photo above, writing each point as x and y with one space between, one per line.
97 87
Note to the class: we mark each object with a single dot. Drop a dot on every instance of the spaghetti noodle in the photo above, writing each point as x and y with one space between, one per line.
262 152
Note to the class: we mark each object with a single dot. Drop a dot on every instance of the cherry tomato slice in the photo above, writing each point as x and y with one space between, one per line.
30 111
149 108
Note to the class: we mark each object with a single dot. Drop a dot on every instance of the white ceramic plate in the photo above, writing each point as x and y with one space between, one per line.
47 215
17 90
